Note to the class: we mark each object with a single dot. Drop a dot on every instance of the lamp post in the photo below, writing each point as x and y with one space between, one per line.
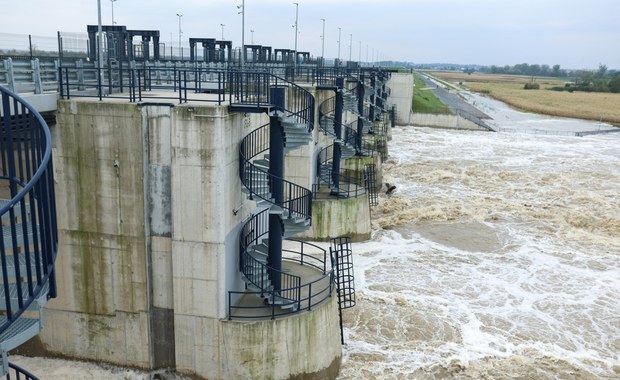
350 47
339 34
222 25
100 36
180 33
252 31
359 53
323 43
296 25
242 11
113 1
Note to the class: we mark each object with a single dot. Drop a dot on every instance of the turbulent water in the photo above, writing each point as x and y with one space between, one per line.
497 257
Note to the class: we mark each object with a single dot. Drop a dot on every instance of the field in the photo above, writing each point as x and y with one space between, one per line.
509 89
424 101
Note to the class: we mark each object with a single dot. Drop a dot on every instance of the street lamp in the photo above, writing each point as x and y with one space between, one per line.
252 31
350 47
222 25
180 32
339 34
296 24
359 52
242 11
323 43
113 1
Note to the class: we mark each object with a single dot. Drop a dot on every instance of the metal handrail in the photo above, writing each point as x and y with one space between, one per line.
29 217
317 290
140 83
297 199
18 373
348 186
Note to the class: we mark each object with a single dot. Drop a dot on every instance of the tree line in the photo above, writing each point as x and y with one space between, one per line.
601 80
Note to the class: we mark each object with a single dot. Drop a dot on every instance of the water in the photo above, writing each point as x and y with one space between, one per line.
508 119
498 257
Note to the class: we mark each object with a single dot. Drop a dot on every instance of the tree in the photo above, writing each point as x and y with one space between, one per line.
614 84
556 70
602 69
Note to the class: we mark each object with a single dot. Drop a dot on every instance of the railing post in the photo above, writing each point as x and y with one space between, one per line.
36 76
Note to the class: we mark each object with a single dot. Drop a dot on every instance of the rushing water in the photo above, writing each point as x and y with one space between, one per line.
497 257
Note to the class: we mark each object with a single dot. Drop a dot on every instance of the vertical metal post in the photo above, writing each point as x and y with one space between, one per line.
30 45
338 132
276 170
323 44
296 25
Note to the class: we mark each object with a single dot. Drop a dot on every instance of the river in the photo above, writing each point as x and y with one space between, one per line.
497 257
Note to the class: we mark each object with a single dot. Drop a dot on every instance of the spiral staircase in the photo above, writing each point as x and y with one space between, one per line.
29 239
283 208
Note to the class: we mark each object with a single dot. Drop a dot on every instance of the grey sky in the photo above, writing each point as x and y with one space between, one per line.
575 34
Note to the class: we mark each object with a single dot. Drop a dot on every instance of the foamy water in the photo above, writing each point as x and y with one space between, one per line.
497 257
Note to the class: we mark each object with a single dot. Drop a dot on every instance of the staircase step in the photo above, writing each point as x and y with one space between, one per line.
262 164
20 331
14 292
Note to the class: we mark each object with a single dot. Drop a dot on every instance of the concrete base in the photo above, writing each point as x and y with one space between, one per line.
303 346
333 217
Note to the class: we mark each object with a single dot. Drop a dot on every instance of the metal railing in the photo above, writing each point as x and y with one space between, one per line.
147 82
18 373
297 199
305 296
29 239
351 182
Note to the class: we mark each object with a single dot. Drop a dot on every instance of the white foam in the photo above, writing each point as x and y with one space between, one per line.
546 295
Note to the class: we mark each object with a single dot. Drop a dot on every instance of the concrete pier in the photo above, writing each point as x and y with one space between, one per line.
150 207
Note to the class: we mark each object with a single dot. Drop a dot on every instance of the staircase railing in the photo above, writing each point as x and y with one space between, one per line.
29 239
349 186
297 199
304 295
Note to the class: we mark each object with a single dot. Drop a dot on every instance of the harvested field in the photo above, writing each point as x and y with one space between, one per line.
509 89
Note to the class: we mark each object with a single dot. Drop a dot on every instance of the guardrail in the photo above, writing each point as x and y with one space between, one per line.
306 295
27 173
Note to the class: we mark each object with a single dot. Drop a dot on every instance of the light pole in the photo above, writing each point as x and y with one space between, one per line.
252 31
323 43
359 53
339 34
113 1
180 33
222 25
296 24
350 47
100 37
242 11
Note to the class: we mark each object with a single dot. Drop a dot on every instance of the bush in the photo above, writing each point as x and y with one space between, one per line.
531 86
614 84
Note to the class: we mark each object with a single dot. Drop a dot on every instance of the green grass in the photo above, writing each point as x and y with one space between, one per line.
424 101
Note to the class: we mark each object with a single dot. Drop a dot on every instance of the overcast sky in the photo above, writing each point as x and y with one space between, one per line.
574 34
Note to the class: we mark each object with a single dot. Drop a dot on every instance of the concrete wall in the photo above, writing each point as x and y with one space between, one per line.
401 96
149 209
102 312
443 121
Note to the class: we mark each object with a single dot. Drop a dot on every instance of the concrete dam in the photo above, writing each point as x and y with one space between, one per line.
191 200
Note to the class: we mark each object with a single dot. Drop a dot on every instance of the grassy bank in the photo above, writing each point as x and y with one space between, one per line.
424 101
509 89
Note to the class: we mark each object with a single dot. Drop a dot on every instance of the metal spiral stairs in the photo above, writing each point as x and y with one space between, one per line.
276 198
347 138
29 239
